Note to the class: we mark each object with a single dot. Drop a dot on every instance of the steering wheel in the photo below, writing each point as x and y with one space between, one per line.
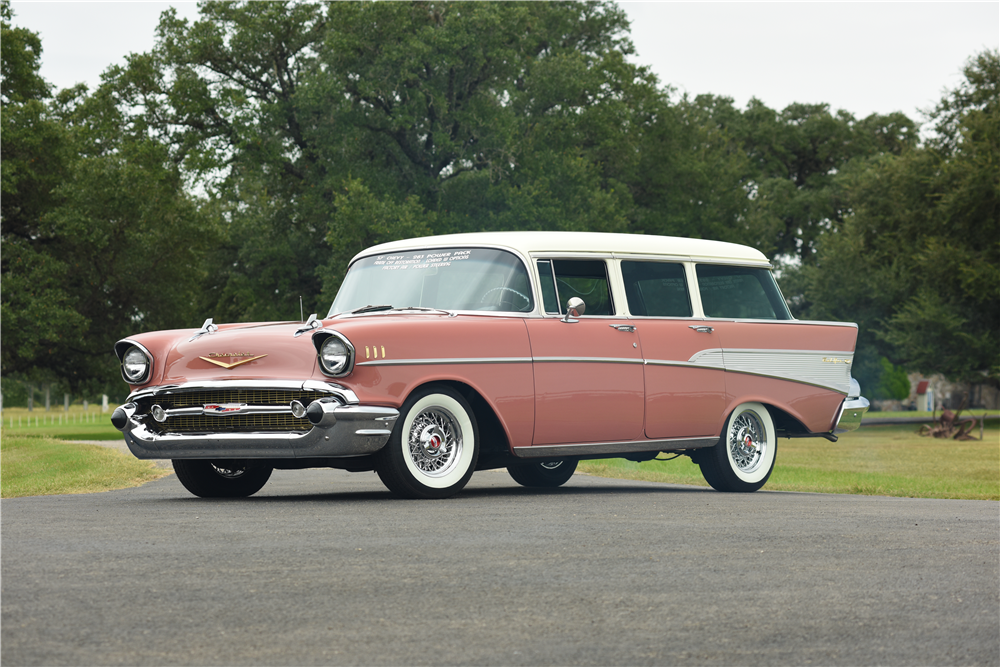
506 297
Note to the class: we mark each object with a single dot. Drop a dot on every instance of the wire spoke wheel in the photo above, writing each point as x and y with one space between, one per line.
435 442
747 442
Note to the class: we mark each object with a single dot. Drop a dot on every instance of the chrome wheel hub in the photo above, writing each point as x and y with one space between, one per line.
435 442
431 440
747 442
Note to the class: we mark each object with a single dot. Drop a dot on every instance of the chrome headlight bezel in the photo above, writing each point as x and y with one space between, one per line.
334 352
140 374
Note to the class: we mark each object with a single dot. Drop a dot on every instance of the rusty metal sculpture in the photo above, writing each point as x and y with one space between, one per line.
951 425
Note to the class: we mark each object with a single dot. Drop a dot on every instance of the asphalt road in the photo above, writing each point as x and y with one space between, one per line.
324 567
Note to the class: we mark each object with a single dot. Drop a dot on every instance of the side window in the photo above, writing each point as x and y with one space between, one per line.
656 289
547 280
740 293
583 278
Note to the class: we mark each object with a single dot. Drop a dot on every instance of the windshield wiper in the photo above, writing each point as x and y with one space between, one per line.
370 309
427 310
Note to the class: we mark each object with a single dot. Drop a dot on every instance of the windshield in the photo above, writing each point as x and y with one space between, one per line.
448 278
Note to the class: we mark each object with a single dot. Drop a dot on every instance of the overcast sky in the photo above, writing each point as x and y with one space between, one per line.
865 57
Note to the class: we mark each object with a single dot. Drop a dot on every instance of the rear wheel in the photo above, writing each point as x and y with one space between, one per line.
744 458
542 474
433 448
221 479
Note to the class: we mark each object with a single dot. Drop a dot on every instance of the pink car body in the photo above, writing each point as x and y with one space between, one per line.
525 350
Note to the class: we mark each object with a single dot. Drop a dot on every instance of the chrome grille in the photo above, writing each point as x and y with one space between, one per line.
249 396
235 424
231 424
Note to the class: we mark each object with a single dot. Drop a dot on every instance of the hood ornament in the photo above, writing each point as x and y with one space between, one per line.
313 323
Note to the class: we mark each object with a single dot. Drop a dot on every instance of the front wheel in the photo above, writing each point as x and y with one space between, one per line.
544 474
744 458
221 479
433 448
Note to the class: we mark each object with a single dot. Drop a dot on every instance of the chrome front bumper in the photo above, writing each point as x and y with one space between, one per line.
338 431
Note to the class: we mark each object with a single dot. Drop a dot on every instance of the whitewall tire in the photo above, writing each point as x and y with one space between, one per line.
743 459
433 449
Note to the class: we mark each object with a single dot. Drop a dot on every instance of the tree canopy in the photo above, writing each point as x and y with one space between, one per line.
241 163
917 262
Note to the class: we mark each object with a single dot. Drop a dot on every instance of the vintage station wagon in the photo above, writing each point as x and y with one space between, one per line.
528 351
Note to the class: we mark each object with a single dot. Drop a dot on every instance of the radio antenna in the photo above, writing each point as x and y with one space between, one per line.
301 312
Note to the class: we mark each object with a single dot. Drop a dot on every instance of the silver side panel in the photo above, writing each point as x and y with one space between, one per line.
831 370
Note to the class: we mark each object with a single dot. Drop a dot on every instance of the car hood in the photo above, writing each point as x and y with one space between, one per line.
234 351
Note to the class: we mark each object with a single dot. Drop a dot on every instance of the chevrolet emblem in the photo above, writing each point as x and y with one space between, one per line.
235 363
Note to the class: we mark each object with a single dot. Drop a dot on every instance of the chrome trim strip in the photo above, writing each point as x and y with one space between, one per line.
642 257
684 364
791 321
571 254
612 448
348 396
587 360
426 362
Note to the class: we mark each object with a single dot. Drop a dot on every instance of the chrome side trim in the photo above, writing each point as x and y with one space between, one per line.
587 360
612 448
345 394
425 362
691 259
787 322
686 364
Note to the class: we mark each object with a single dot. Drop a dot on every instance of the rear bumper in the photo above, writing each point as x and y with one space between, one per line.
851 412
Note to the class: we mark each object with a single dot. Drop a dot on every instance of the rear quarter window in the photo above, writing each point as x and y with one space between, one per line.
740 292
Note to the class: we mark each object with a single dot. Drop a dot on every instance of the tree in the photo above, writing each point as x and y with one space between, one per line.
99 238
465 115
917 261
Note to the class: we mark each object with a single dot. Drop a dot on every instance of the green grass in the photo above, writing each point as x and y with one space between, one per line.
890 460
73 425
39 465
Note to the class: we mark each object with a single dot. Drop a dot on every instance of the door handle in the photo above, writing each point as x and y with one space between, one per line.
623 327
701 328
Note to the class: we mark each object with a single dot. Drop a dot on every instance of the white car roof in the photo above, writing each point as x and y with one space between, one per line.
540 243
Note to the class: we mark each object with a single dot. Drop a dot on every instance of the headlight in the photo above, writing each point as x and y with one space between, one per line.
336 356
135 365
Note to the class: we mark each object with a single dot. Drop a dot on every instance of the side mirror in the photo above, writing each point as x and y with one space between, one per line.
575 307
